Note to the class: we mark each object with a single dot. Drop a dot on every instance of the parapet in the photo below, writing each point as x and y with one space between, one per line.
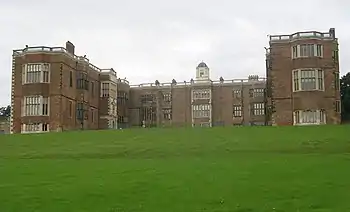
330 35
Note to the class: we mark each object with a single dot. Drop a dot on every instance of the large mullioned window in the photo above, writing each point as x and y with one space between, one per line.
35 128
307 50
35 106
36 73
201 111
308 80
201 94
309 117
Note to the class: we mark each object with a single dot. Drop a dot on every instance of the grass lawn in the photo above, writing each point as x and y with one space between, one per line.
238 169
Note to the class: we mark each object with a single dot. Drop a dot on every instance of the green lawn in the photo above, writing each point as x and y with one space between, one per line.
239 169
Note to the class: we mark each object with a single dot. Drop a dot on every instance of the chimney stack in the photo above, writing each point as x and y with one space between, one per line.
70 47
332 32
253 77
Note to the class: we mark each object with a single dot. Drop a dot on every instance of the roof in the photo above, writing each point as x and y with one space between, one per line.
202 65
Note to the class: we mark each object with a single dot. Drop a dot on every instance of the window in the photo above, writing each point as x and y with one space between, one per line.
258 109
70 79
256 92
70 109
337 106
45 106
336 81
92 89
147 98
105 89
36 73
254 123
308 80
80 111
201 111
122 97
35 106
309 117
45 127
237 111
167 97
120 119
237 94
167 115
205 124
307 50
92 115
335 55
34 128
201 94
82 81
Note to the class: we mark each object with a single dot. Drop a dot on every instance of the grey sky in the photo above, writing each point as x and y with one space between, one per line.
158 39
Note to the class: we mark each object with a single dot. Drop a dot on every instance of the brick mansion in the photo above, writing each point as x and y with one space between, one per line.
53 89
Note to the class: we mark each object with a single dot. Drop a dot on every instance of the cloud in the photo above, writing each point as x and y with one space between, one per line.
157 39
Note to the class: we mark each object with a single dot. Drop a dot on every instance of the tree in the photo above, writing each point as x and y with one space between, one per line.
345 97
5 111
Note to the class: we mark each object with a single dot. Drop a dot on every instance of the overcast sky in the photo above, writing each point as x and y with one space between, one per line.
145 40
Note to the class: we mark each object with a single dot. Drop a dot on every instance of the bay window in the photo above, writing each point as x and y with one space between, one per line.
36 73
34 128
309 117
308 80
35 106
201 111
307 50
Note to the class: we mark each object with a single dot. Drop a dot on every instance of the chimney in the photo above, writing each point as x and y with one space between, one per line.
253 77
332 32
70 47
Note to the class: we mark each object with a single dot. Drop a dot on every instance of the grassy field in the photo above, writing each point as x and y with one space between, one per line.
239 169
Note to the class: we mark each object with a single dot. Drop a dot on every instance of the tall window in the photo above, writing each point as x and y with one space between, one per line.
70 79
36 73
201 94
167 97
70 109
35 106
92 115
308 80
167 115
201 111
307 50
92 89
45 106
105 89
336 81
122 97
147 98
337 106
309 117
34 128
237 94
256 92
258 109
237 111
80 111
82 81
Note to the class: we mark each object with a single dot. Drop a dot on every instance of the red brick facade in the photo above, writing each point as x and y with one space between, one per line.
294 54
82 96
